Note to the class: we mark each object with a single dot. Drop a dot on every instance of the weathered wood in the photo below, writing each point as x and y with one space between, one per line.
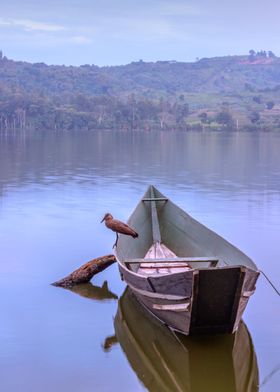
159 251
85 273
155 199
174 260
155 223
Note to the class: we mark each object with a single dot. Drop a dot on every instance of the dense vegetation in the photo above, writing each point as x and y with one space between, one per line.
226 92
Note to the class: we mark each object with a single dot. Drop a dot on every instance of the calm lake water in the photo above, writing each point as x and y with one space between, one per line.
54 190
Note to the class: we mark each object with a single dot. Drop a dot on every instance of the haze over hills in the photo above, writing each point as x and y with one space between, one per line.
223 92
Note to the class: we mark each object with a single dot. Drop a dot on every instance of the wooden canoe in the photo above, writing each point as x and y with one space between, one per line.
165 361
186 275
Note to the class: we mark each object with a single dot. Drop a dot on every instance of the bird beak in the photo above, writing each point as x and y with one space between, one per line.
102 219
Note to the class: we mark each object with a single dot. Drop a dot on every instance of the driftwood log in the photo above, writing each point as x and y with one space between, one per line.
86 271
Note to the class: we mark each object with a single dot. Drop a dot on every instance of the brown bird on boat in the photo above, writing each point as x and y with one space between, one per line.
118 227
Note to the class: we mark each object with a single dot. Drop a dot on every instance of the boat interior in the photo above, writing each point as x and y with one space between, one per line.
171 241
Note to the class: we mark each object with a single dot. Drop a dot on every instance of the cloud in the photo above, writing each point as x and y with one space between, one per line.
31 25
46 31
80 39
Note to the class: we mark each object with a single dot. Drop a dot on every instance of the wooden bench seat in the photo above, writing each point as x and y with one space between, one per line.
213 260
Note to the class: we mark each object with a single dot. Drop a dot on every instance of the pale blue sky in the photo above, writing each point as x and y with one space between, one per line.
113 32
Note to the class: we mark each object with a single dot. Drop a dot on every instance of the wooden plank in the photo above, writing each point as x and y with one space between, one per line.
164 265
158 296
175 260
248 293
155 223
135 280
214 299
249 285
179 321
176 284
159 251
155 199
238 290
173 307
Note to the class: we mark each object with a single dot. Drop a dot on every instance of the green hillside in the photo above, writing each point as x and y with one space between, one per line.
224 92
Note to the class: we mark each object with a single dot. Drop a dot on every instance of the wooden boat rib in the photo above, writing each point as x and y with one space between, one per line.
189 277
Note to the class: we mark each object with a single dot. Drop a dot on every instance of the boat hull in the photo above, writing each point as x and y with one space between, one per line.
210 289
197 301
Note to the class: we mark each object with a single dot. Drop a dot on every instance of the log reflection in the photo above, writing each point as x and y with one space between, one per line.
88 290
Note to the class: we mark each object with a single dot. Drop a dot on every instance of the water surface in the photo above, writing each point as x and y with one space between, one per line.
54 190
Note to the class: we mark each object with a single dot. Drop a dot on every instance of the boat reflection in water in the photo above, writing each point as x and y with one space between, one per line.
165 361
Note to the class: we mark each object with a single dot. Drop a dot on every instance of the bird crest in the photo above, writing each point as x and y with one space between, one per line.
107 216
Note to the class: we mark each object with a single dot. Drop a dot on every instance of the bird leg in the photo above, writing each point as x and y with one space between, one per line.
115 244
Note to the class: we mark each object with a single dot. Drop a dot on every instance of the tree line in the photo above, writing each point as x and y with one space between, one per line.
215 93
88 112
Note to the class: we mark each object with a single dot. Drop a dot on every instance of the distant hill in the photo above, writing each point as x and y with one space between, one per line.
223 92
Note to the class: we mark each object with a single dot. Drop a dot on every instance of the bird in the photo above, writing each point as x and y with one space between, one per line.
118 227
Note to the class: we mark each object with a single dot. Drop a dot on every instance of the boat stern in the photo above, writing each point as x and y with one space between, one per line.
220 297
